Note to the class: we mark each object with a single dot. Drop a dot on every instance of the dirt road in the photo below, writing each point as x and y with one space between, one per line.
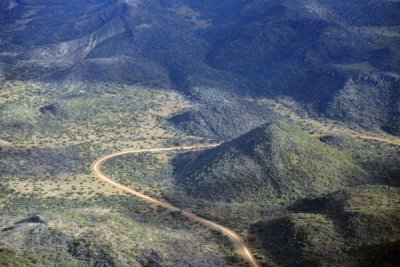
374 138
242 248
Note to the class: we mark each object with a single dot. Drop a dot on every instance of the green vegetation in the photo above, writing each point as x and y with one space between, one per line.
221 114
380 160
10 258
145 172
107 231
275 161
45 168
369 102
336 229
291 82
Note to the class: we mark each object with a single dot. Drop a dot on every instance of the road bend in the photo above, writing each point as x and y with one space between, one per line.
242 248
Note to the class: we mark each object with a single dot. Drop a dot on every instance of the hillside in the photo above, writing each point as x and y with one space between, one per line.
221 114
381 161
302 95
277 160
313 51
355 227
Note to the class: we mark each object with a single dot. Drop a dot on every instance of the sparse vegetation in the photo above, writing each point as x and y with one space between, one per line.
46 170
275 161
290 87
335 228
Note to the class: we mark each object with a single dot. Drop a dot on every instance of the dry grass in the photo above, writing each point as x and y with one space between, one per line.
142 129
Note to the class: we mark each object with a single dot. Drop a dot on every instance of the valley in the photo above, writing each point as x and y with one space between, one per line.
153 163
199 133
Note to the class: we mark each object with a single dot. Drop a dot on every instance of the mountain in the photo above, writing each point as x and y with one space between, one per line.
277 160
304 96
320 53
354 227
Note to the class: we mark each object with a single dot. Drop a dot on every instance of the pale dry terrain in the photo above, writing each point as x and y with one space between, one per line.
112 127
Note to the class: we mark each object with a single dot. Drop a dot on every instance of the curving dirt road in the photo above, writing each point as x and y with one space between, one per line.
242 248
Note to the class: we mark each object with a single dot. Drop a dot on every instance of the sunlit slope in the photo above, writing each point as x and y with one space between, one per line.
277 160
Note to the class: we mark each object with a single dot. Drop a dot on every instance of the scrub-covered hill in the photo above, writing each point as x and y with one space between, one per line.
277 160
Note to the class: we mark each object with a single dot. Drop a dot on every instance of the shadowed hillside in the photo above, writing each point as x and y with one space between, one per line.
303 95
355 227
313 51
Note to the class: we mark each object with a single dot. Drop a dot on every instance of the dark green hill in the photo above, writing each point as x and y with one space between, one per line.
369 101
221 115
355 227
277 160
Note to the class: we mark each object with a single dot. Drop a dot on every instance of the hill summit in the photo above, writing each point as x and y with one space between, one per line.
277 160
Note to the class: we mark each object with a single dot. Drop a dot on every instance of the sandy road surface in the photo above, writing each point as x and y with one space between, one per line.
242 248
375 138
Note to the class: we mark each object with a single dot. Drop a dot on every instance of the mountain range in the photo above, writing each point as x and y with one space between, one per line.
341 58
299 100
